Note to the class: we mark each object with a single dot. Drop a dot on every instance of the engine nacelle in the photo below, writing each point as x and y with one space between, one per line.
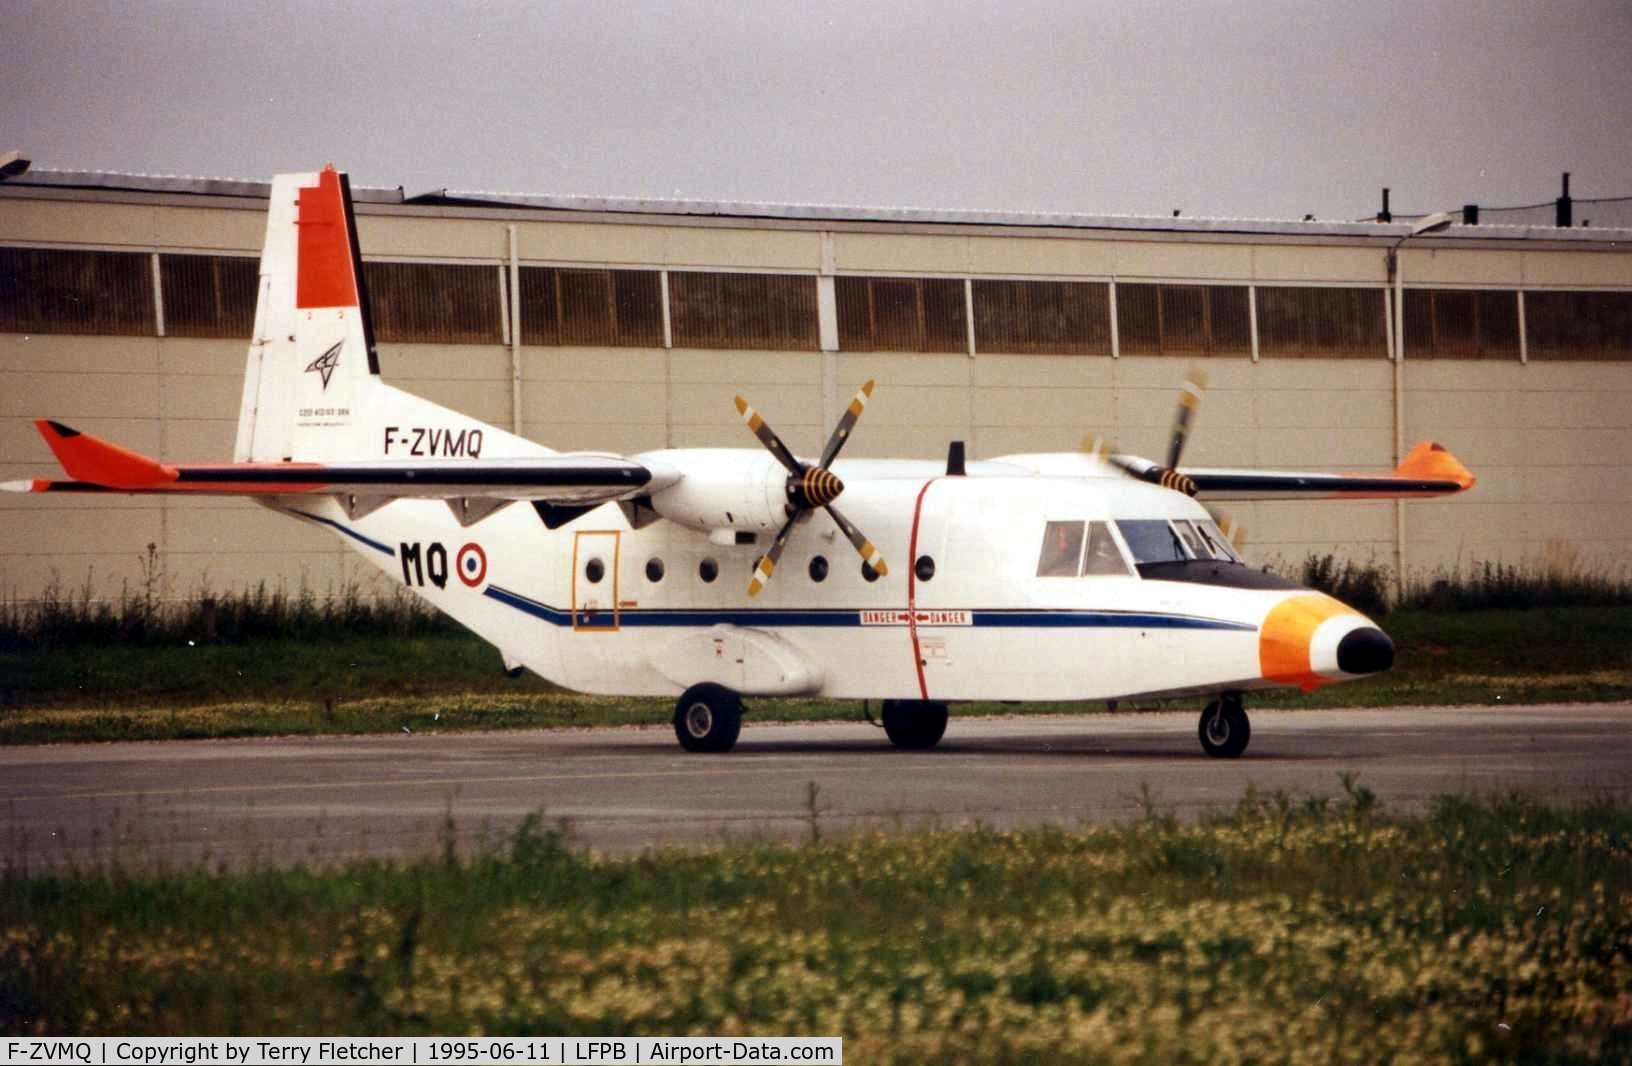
722 489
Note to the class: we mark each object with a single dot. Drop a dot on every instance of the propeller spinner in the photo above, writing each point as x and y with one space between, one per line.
809 487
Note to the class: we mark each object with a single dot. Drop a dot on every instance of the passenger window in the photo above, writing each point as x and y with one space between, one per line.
1152 540
1062 550
1104 557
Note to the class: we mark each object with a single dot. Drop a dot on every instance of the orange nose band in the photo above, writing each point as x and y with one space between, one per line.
1283 642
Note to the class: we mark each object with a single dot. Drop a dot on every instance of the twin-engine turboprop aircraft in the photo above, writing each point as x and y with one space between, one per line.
720 573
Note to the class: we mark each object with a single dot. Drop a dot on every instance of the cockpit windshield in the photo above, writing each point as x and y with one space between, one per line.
1152 541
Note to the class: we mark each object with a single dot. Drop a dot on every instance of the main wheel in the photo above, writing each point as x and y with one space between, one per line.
1224 728
708 718
913 724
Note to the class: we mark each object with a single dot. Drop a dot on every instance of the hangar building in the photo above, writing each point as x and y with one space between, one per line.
126 305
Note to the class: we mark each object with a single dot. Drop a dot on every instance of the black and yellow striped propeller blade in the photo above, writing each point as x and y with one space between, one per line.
767 562
847 422
767 436
1195 383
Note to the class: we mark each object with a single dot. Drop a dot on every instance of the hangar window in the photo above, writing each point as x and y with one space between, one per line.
901 314
1061 555
209 295
1578 325
596 308
434 303
1461 324
1326 322
1189 320
59 291
766 311
1064 317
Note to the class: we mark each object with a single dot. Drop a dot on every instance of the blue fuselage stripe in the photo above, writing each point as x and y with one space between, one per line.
831 618
348 531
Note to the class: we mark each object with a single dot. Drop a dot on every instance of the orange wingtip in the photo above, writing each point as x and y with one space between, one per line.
1430 460
88 458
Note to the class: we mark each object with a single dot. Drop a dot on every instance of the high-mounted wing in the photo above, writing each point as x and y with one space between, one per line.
1428 470
96 465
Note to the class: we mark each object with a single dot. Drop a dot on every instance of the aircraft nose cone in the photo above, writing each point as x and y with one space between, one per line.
1365 651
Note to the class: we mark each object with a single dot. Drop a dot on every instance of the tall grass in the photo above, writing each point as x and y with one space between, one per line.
141 616
1555 578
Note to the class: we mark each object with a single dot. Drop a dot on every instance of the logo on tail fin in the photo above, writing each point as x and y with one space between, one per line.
325 363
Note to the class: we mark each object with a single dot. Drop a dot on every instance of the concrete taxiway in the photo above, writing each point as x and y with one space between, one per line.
322 799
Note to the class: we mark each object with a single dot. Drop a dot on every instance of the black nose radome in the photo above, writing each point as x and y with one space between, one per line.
1365 651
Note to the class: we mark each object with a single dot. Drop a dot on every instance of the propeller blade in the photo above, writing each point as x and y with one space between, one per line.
1097 447
1233 531
1195 383
767 565
768 437
847 422
863 546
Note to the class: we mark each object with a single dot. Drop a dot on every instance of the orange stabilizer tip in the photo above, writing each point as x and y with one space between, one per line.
88 458
1430 461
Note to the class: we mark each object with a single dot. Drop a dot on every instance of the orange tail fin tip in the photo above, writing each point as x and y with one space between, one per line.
1430 460
92 459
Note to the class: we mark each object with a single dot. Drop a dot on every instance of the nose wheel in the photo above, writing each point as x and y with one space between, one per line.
1224 728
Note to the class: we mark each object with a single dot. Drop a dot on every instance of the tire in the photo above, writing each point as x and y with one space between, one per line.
914 725
1224 728
707 718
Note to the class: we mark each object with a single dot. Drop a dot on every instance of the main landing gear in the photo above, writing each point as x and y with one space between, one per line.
708 717
1224 727
914 724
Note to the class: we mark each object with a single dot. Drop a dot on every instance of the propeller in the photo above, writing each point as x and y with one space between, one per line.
809 487
1168 475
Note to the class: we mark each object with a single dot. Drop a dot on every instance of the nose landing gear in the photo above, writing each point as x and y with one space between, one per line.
1224 728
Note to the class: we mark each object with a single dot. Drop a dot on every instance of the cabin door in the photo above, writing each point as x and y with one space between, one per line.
595 580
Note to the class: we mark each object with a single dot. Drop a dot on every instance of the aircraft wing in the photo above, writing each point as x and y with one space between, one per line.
96 465
1428 470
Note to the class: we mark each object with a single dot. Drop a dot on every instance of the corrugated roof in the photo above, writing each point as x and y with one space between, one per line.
112 181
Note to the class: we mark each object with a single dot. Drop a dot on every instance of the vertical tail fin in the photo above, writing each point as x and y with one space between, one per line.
312 388
312 363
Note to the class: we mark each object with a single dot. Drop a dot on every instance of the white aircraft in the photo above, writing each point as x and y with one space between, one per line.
720 573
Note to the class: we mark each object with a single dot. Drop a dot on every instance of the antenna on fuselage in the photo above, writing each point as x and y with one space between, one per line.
954 459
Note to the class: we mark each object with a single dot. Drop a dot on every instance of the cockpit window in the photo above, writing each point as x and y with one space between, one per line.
1217 543
1104 558
1187 533
1062 550
1152 541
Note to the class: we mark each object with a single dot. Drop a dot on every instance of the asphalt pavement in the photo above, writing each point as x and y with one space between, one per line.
325 799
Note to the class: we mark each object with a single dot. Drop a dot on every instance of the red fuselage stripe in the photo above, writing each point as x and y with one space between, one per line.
912 590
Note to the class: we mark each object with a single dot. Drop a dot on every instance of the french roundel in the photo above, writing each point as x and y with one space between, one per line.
471 563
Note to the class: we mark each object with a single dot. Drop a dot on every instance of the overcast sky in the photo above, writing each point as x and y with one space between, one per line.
1240 110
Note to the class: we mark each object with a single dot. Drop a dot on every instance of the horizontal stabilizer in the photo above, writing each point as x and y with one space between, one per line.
95 465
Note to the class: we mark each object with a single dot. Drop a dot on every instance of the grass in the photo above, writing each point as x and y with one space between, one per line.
1287 930
453 681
